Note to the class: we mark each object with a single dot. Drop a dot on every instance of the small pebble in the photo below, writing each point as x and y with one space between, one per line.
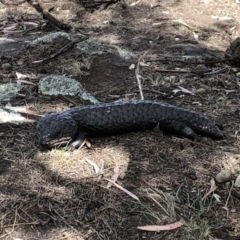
6 66
224 176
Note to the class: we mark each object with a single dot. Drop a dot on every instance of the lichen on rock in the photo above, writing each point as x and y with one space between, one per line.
9 90
52 37
61 85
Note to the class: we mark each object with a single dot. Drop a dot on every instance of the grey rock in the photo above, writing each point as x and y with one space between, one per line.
61 85
9 90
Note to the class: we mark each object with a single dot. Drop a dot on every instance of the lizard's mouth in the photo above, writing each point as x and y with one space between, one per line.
56 142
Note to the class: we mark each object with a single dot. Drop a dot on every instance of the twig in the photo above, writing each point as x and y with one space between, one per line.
174 71
138 76
31 29
62 218
150 196
193 72
69 100
217 71
154 91
51 18
123 189
177 71
229 195
175 59
236 194
63 49
180 21
212 189
3 236
93 164
100 236
24 223
194 143
13 225
139 81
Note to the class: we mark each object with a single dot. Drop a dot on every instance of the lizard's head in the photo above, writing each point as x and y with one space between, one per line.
56 130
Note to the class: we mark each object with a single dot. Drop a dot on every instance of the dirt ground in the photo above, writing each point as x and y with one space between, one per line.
57 194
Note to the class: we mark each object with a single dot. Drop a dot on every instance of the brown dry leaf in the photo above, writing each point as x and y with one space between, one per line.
123 189
157 228
115 176
212 188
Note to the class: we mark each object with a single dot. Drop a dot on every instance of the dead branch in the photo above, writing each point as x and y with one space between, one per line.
51 18
63 49
193 72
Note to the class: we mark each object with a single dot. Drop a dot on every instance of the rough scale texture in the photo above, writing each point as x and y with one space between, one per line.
121 117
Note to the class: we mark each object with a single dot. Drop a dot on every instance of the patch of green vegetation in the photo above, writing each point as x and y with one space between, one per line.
222 101
80 68
159 209
158 81
197 227
229 13
145 212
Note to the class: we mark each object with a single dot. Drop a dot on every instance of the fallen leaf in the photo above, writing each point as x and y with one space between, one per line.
31 23
132 66
226 208
88 144
26 82
222 18
185 90
123 189
11 27
180 21
135 3
195 36
212 188
19 75
217 197
37 61
143 64
230 91
176 91
157 228
95 166
237 182
115 176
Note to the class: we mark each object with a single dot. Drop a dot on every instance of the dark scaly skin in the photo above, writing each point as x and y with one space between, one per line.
58 129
